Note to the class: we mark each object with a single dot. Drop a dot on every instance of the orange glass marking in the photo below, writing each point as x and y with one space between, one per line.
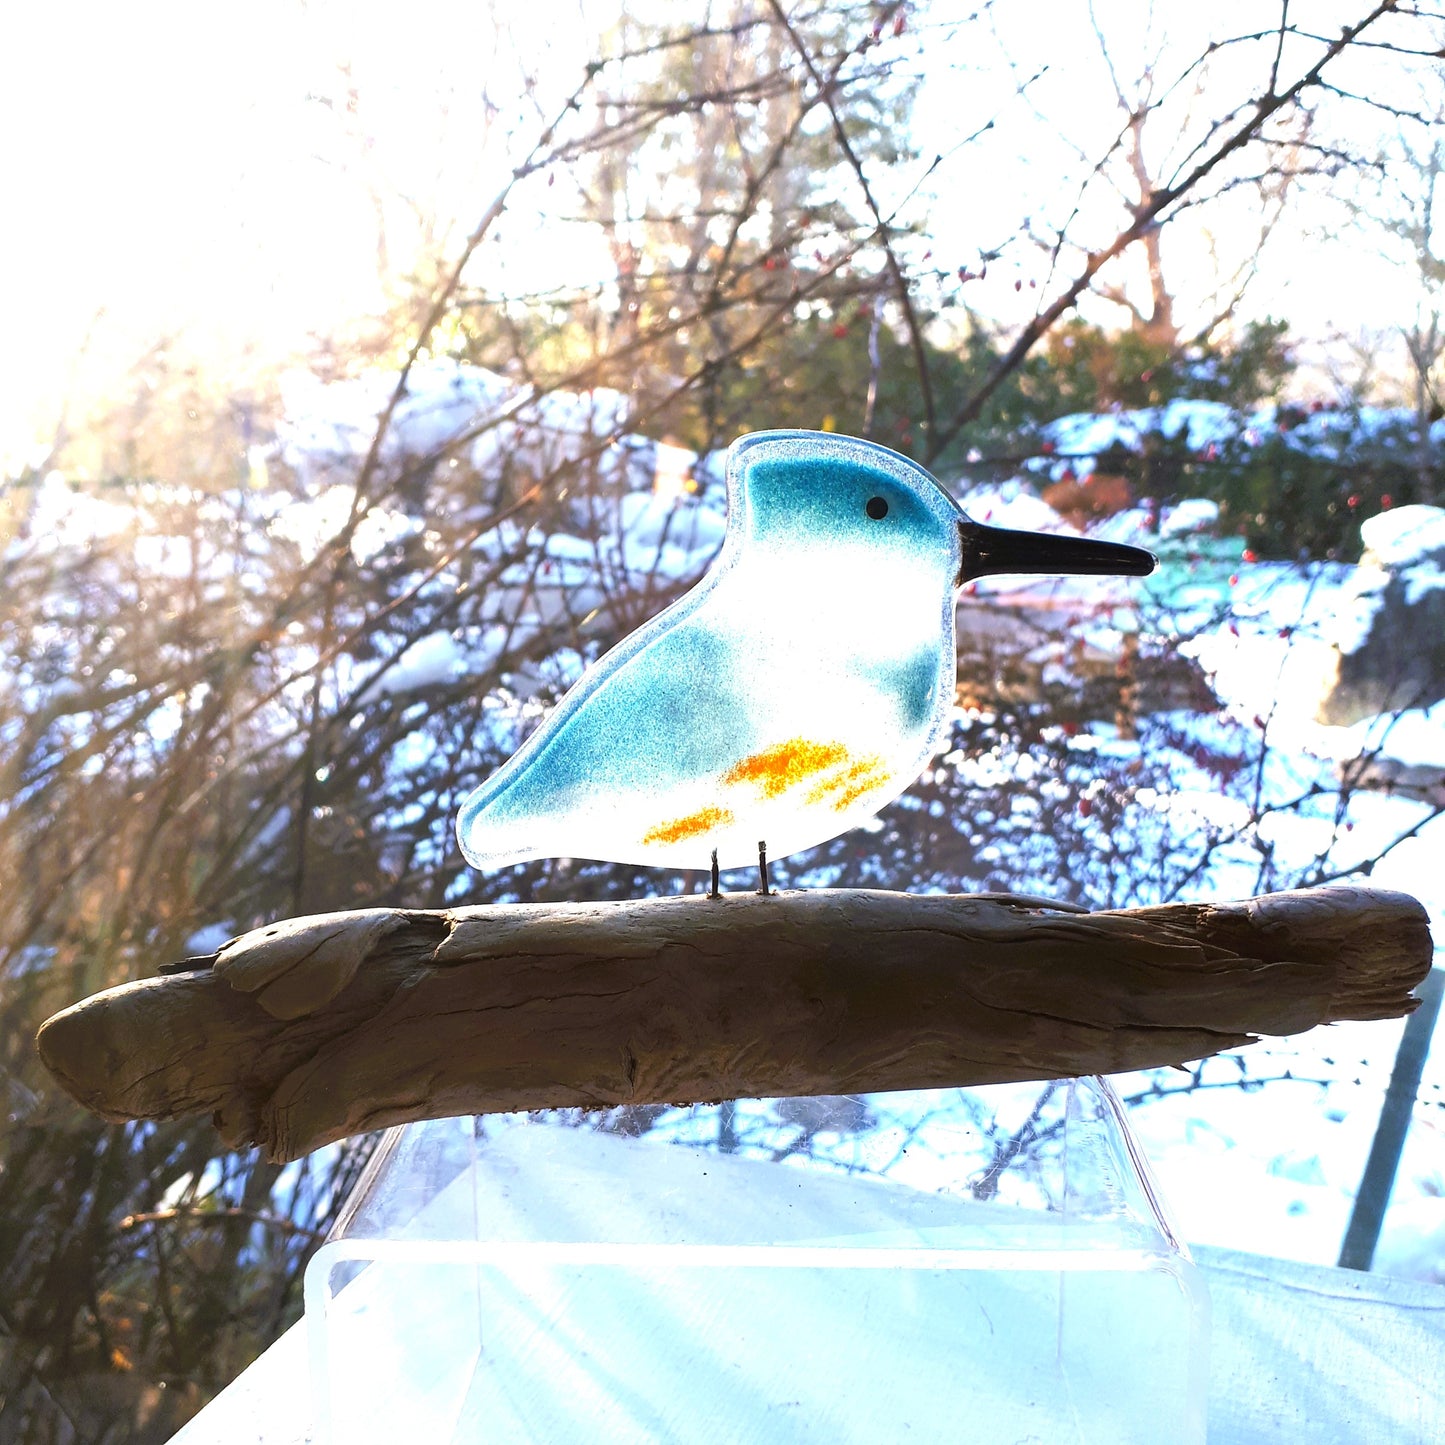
693 824
873 779
780 767
822 790
846 787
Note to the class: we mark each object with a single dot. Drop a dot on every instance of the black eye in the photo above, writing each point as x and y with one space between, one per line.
877 508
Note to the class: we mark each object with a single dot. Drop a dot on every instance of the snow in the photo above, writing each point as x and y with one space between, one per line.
1403 535
1415 737
430 661
1134 525
1408 542
1273 1170
209 939
1275 658
1084 436
650 524
329 426
1423 577
1330 429
1013 507
310 523
65 516
1358 606
1272 644
1192 515
1202 427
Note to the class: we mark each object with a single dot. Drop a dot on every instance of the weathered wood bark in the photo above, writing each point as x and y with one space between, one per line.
316 1028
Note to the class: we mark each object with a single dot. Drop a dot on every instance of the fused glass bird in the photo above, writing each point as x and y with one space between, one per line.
804 682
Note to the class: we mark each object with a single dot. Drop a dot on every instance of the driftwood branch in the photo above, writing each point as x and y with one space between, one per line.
315 1028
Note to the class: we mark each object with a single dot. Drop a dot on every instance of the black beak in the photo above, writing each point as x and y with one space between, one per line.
989 550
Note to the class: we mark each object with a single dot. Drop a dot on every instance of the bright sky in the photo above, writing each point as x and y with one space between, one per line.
197 177
191 175
1034 160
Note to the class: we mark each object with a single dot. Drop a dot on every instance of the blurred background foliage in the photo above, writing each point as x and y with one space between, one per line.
213 711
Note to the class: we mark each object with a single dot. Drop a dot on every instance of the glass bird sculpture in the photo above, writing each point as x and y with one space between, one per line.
800 686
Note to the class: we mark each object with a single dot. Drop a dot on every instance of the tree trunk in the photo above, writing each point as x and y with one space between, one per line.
315 1028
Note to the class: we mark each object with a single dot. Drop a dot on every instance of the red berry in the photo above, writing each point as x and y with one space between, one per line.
1352 501
1249 555
1386 502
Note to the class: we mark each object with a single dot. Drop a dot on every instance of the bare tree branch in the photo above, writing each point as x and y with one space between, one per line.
1149 214
895 270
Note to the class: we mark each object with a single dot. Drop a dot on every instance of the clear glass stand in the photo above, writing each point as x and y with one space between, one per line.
983 1264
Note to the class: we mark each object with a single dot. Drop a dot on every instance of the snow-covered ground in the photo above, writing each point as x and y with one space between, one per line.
1075 443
